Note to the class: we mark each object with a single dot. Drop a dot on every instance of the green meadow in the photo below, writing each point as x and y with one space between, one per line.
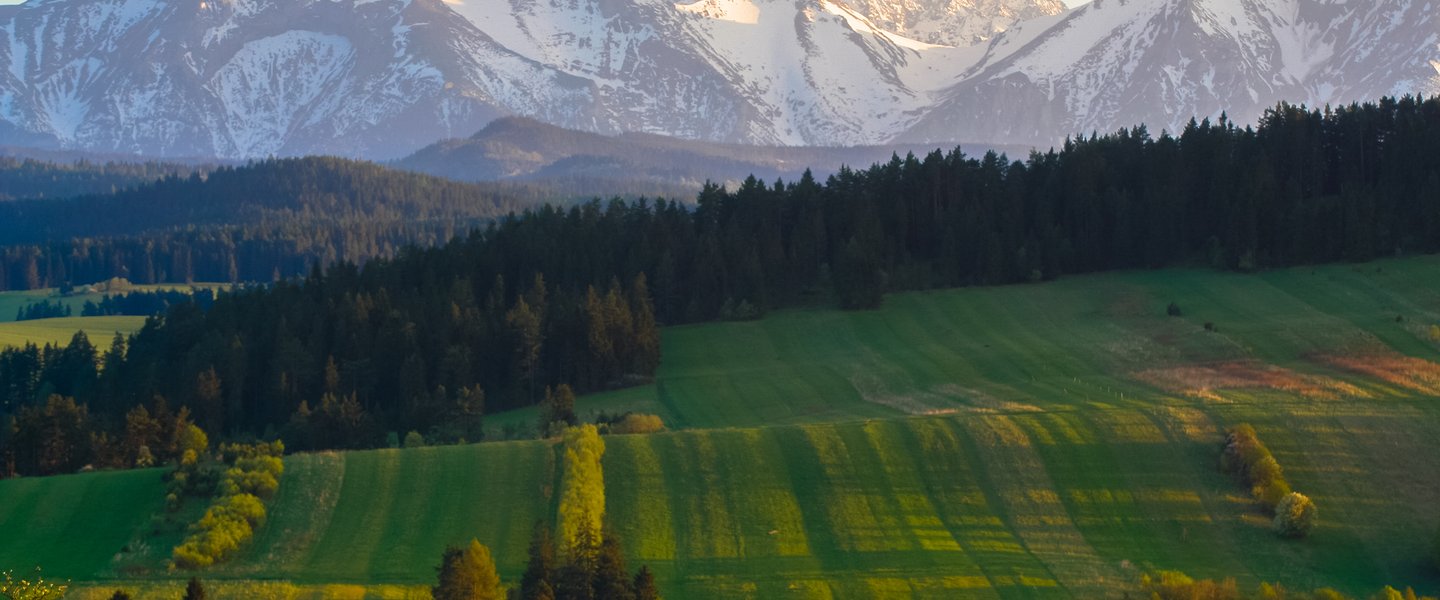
59 331
1047 441
1077 342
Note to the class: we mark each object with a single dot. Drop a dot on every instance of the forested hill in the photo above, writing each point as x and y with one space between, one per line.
415 339
30 178
247 223
278 190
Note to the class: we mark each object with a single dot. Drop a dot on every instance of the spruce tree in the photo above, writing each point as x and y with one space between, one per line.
536 583
467 574
612 581
194 591
645 585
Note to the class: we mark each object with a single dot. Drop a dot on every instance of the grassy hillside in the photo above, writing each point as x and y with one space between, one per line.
1066 504
1037 441
59 331
1071 343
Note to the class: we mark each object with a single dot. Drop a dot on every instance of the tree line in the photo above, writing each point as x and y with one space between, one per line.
574 295
253 223
28 178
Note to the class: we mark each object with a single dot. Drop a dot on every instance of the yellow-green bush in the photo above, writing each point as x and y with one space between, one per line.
1295 515
238 510
634 423
1246 457
1173 585
33 588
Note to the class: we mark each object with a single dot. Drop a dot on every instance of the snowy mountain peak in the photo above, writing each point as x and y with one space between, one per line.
738 11
381 78
952 22
1112 63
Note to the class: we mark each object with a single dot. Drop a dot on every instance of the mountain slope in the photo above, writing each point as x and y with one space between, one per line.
521 148
380 79
1117 62
249 78
737 71
953 22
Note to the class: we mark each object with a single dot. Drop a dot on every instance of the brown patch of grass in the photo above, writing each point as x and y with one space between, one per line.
1203 380
1414 374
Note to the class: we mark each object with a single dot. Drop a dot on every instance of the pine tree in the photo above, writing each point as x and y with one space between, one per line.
645 585
612 581
467 574
194 591
536 584
646 358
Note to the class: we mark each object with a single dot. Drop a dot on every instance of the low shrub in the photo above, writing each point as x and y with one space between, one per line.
635 423
1295 516
1174 585
237 510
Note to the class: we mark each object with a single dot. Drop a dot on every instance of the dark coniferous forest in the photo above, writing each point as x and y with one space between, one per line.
259 222
574 296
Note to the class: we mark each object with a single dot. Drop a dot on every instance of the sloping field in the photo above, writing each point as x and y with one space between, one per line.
1036 441
1066 504
1072 343
59 331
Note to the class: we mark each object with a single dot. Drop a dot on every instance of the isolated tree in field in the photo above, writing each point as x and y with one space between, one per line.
1295 516
645 585
582 491
537 582
468 574
194 590
414 440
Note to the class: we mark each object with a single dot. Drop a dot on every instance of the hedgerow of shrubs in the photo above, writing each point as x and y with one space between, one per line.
636 423
238 509
1174 585
1246 457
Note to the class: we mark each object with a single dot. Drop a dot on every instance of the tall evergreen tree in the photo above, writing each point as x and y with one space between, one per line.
194 590
536 583
645 585
467 574
612 580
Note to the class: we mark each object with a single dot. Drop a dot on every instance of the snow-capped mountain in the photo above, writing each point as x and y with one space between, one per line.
952 22
382 78
242 78
754 71
1114 63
